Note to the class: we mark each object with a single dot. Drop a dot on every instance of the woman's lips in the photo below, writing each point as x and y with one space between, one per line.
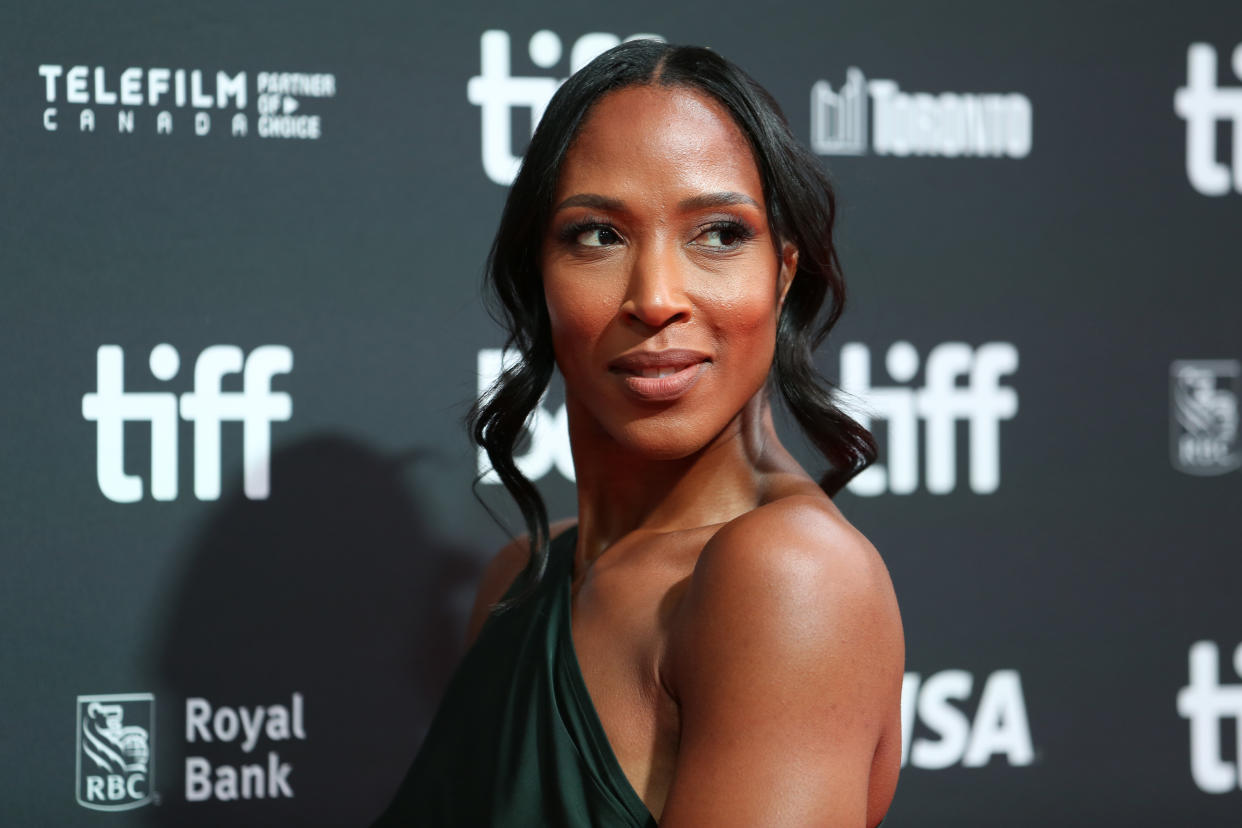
660 376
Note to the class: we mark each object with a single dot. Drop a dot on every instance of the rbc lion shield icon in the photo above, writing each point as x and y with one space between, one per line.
1204 398
116 751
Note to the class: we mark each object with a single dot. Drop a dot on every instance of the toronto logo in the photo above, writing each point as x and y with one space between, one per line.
115 755
1204 422
877 115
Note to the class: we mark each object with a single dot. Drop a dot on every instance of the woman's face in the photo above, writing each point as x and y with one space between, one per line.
661 278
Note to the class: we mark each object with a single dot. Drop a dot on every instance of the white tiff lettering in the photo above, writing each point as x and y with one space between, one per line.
256 406
1208 704
941 403
1203 105
497 92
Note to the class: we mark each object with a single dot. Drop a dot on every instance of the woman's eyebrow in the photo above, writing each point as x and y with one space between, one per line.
599 202
697 202
705 200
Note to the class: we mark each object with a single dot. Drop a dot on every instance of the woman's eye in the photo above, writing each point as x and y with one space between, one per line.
724 235
598 236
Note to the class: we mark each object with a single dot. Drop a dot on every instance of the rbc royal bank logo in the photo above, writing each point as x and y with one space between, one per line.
498 92
1204 401
208 406
116 749
1203 105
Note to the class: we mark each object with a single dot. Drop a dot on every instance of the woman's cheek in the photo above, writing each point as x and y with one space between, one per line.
750 312
747 331
577 326
576 321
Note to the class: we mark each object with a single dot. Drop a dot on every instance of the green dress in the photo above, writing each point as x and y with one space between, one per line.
516 741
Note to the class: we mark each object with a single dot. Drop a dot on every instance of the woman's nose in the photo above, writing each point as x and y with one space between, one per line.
656 294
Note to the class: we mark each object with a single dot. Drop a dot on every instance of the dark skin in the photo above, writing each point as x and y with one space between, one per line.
739 638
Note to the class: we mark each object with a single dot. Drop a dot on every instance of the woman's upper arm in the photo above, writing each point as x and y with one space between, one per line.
786 658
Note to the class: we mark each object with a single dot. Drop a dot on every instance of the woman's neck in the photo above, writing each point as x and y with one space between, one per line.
620 491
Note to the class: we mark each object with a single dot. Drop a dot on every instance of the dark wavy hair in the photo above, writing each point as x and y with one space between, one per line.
801 209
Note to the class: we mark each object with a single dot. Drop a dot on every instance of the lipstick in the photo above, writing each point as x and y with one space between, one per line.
660 376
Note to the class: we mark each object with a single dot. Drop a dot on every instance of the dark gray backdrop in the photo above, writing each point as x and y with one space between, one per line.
1083 579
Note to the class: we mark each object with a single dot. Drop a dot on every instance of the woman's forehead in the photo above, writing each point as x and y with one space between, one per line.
669 137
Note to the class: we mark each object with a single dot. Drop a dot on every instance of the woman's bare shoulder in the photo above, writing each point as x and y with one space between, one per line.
500 573
796 535
795 565
789 633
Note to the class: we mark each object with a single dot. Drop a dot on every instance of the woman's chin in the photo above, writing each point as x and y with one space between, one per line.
662 441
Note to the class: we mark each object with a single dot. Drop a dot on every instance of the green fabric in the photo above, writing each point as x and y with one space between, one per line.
516 741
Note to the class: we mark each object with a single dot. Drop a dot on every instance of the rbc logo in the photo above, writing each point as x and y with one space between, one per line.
1202 105
983 402
256 406
1204 402
115 751
1208 704
497 92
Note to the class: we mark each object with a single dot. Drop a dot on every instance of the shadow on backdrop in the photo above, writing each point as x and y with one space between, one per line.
334 589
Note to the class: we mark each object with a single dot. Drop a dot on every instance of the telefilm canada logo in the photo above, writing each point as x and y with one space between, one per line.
168 101
960 384
1209 705
878 116
115 751
111 407
1205 106
499 93
1203 402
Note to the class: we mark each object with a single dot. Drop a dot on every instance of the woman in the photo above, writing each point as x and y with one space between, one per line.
710 643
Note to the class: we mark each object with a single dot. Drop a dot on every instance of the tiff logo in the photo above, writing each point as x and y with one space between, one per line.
256 407
1202 105
548 431
497 92
1208 704
982 402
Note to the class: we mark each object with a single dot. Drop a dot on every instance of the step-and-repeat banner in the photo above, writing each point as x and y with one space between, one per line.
242 246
